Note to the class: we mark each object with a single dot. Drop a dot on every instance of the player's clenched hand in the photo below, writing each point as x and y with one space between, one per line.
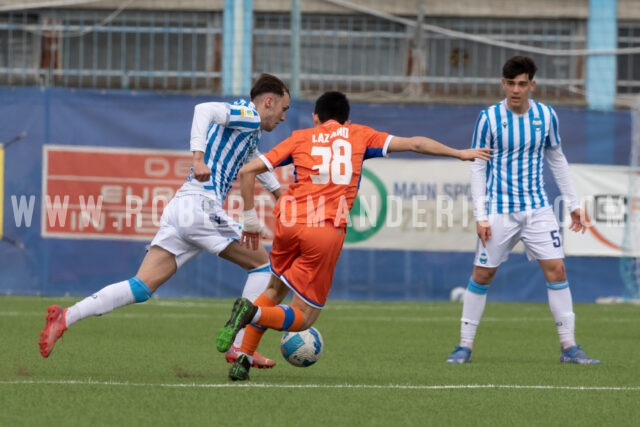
251 229
201 171
483 228
476 153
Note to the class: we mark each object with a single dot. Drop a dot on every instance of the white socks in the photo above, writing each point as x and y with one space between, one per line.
102 302
561 306
560 303
472 310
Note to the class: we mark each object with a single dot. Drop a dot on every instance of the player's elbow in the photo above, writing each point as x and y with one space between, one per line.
419 144
198 108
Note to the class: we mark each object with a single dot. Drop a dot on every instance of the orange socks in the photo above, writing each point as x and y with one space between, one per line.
251 340
279 317
252 334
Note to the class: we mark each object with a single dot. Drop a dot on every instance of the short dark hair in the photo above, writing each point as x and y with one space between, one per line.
519 65
332 105
268 83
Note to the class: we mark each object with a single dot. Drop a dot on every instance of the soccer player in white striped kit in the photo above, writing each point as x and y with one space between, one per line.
511 205
224 137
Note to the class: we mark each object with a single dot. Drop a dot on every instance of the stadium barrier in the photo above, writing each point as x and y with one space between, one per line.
82 144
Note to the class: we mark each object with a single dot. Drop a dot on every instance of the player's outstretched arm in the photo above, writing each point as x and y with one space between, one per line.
424 145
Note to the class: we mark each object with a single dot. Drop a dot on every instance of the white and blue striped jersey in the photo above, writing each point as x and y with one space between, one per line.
228 134
513 179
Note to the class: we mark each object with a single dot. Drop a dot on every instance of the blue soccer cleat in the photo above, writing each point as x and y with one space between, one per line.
460 355
575 354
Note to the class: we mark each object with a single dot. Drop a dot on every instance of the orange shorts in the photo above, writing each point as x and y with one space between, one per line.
305 257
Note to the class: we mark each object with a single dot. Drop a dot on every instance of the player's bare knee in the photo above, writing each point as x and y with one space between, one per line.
276 289
307 322
554 271
244 257
257 258
482 275
256 263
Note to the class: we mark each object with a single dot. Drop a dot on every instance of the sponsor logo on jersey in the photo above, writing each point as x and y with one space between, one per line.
246 112
537 124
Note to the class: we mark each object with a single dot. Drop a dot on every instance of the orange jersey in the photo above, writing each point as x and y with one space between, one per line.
328 164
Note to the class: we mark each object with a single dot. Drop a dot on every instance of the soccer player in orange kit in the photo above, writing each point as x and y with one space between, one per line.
311 218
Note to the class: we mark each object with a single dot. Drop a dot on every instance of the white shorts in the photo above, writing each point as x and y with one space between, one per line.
192 223
537 229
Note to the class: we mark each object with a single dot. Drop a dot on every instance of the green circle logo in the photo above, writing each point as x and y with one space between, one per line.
355 235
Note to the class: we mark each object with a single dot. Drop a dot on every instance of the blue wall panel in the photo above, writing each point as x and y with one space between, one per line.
147 120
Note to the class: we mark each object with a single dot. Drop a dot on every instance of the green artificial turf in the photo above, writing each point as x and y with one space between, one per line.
155 364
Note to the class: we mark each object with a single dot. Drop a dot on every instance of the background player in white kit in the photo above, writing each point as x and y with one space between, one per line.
223 137
510 205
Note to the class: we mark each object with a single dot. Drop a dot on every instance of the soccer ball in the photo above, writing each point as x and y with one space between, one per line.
457 293
302 348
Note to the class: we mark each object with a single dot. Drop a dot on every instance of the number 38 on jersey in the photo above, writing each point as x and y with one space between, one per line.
333 163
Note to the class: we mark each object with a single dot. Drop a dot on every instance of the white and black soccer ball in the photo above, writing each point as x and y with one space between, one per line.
302 348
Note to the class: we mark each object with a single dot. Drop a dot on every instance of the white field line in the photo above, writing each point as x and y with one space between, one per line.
327 386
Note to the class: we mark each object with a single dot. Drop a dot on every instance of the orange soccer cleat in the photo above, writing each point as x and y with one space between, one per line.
54 327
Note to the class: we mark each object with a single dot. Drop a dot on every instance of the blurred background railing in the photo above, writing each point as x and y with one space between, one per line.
375 56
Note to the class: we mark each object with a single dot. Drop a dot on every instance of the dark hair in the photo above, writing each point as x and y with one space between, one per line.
519 65
332 105
268 83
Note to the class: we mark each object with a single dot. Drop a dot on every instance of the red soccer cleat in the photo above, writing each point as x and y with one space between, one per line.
259 361
54 327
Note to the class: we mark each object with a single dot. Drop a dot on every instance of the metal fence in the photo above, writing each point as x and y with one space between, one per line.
371 56
628 65
374 58
138 50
